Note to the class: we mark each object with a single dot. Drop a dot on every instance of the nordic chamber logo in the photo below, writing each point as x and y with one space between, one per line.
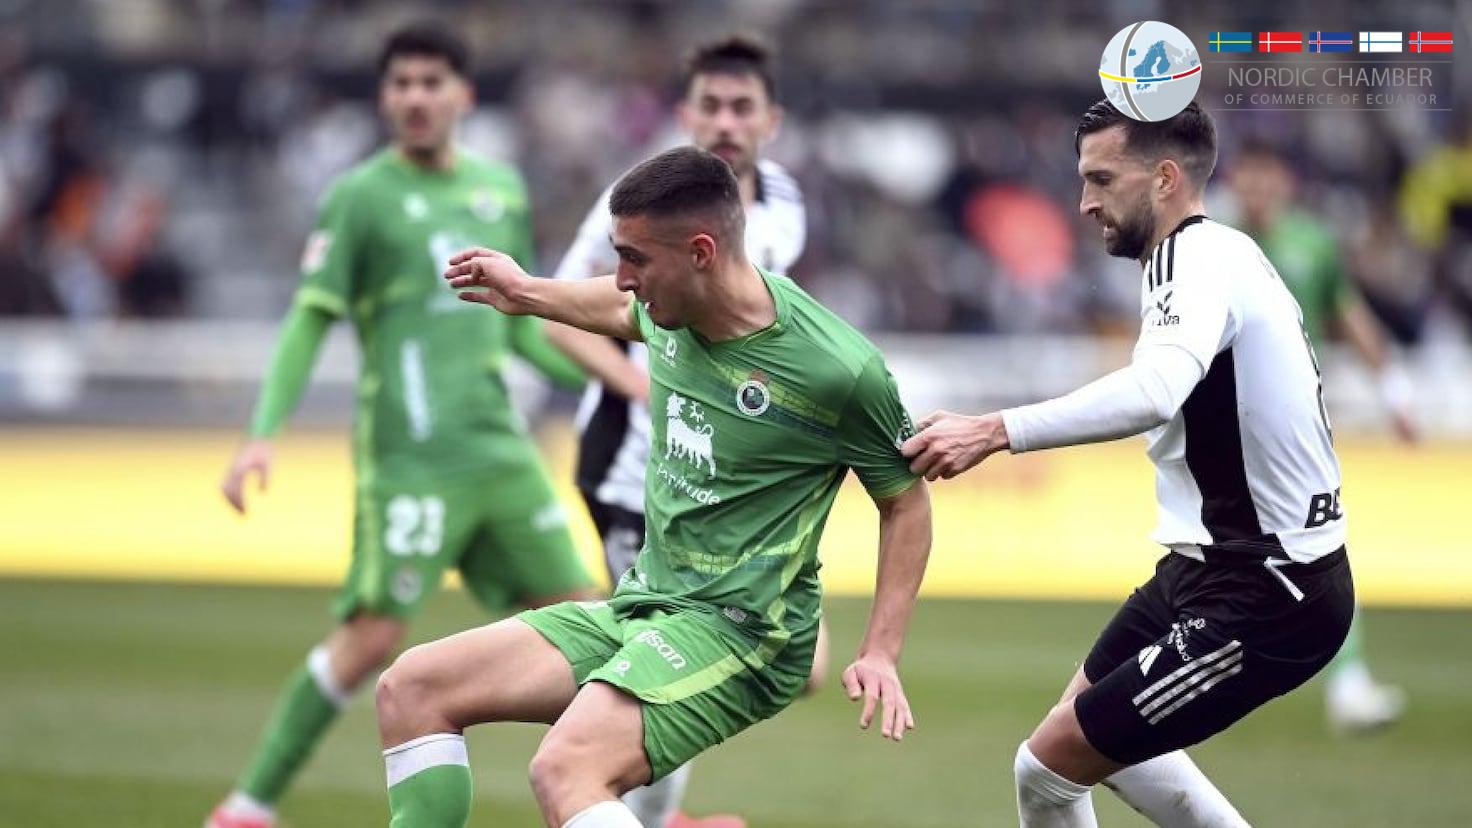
1150 70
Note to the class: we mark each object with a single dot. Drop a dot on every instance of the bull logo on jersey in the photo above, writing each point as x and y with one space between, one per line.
691 443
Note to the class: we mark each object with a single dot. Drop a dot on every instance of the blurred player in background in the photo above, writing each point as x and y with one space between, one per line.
447 475
1254 595
730 108
1306 254
768 400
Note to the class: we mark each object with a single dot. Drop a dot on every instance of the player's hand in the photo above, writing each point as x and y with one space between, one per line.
947 443
253 457
497 275
876 680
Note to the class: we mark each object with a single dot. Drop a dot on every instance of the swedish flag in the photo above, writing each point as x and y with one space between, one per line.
1230 42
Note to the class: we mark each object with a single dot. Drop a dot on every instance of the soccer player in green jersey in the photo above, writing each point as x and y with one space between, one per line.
764 401
1306 255
447 475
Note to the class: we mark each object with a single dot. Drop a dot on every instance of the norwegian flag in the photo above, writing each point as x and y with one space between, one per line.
1429 42
1280 41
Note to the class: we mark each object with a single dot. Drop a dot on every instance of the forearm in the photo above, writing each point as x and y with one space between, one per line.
300 339
904 549
602 359
1132 400
593 305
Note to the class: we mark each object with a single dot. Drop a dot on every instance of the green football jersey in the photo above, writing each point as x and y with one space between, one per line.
1306 255
431 399
751 439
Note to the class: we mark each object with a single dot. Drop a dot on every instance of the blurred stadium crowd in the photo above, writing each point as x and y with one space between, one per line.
162 158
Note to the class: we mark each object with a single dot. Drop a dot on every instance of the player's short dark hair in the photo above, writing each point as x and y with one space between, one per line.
425 39
738 54
1189 137
685 181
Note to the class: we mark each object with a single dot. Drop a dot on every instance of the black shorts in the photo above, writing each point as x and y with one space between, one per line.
1199 646
622 532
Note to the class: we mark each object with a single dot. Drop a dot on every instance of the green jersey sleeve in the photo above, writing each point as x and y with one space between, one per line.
870 429
327 261
529 341
291 366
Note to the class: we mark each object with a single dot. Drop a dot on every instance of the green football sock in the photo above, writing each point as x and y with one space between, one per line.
429 782
303 713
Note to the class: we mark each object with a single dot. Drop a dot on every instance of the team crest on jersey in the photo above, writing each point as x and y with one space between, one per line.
485 206
689 441
406 585
416 208
752 396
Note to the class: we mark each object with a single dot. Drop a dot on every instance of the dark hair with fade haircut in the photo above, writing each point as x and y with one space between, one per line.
426 39
738 54
1188 136
678 182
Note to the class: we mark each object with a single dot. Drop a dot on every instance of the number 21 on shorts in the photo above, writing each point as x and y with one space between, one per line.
415 525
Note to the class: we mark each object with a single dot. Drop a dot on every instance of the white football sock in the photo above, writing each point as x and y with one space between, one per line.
1047 800
243 805
1174 793
655 803
607 814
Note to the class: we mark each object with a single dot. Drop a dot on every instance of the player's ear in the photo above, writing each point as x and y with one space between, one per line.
1169 177
774 121
702 251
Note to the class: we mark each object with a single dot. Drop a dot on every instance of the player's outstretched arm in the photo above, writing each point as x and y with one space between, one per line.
489 277
904 548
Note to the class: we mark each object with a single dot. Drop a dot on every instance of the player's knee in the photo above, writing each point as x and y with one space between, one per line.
1038 788
404 687
553 770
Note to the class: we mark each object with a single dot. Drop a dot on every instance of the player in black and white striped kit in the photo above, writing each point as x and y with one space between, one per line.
1254 596
730 108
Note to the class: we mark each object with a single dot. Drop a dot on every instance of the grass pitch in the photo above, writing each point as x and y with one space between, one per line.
136 705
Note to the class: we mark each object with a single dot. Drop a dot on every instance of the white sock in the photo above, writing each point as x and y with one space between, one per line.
243 805
1047 800
416 755
1174 793
655 803
319 666
1350 679
609 813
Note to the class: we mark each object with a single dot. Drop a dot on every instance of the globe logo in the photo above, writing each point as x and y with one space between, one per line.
1150 70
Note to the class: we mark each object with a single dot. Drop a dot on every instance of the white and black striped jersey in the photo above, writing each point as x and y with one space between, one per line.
1246 468
614 446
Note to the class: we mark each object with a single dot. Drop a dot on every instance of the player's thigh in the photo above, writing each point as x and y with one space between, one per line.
702 682
405 533
602 733
506 671
523 552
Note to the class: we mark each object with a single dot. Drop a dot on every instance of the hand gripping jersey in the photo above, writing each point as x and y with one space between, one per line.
615 431
1246 468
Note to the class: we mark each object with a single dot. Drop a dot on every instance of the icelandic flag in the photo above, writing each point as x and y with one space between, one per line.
1230 42
1331 41
1380 41
1280 41
1429 42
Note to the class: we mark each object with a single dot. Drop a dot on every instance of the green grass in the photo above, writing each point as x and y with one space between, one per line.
135 705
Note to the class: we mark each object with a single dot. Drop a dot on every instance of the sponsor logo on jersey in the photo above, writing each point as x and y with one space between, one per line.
752 396
671 347
689 441
416 208
666 652
549 517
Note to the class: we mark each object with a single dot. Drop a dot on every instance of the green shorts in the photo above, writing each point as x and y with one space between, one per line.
701 679
509 538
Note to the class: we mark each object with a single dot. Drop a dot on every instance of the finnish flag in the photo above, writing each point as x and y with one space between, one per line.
1381 41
